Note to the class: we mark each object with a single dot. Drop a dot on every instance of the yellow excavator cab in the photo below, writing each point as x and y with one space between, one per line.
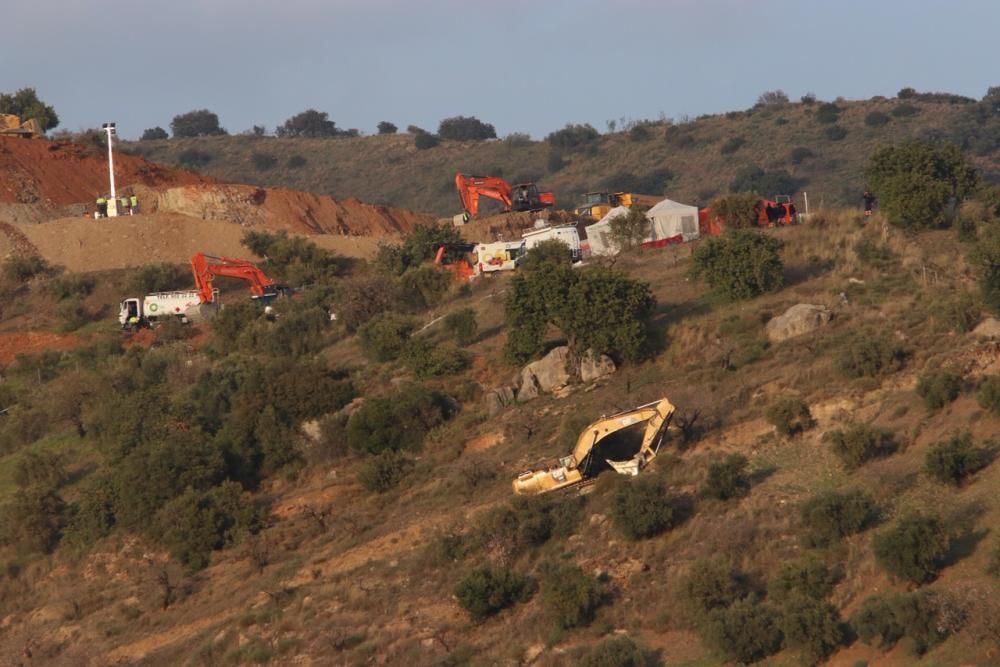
574 469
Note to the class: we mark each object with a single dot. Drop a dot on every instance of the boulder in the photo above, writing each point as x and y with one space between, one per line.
800 319
988 328
544 375
498 399
594 366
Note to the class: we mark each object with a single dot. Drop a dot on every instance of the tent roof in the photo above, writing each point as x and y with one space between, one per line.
668 205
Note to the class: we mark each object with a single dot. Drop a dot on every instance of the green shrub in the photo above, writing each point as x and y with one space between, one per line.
462 325
154 133
263 161
70 286
800 154
628 231
790 416
616 652
985 259
938 388
876 119
860 443
913 548
738 210
569 595
196 523
574 138
465 128
22 268
808 577
397 421
872 254
384 337
296 162
425 140
959 312
835 133
954 459
745 631
295 259
640 507
727 479
33 520
425 359
988 395
193 159
384 471
732 145
812 626
828 113
486 590
830 516
883 620
905 110
640 132
159 278
741 264
769 183
870 355
44 470
711 585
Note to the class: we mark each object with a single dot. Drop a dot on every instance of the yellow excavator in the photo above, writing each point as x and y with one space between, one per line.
11 125
585 462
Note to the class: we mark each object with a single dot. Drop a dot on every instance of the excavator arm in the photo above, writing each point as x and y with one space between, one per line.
470 188
574 469
207 268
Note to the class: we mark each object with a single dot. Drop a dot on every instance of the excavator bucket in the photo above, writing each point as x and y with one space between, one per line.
576 468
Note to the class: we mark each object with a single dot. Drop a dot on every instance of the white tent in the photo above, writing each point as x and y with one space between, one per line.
673 222
599 233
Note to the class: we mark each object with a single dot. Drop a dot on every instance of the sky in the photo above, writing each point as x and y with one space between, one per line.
524 66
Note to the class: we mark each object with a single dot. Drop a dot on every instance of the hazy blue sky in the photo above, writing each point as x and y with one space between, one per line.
523 66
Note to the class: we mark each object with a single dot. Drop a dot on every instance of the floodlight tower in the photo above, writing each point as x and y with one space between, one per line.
109 128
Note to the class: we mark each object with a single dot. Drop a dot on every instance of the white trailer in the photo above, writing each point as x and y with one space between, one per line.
568 234
185 304
499 256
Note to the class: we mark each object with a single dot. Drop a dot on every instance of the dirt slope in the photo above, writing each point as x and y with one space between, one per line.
55 173
85 244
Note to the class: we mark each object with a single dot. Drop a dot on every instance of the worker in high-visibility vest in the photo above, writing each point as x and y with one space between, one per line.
102 207
134 201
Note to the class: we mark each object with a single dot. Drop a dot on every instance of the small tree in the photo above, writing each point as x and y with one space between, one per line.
25 105
574 138
876 119
790 416
385 127
711 585
462 325
425 140
741 264
569 596
397 421
486 590
808 578
954 459
727 479
630 230
153 134
616 652
915 182
384 471
860 443
985 259
938 388
913 548
746 631
812 626
263 161
772 98
988 395
640 508
883 620
870 355
384 337
830 516
33 520
309 123
198 123
738 210
463 128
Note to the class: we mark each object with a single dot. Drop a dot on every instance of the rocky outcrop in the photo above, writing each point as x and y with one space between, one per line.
988 328
800 319
498 399
596 366
545 375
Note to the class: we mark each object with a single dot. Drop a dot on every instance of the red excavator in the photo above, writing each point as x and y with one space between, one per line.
521 197
206 268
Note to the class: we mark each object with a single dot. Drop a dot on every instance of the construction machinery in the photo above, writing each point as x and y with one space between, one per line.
520 197
567 234
468 260
200 302
595 446
596 205
11 125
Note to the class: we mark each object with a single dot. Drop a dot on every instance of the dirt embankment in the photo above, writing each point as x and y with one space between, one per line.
291 210
510 226
55 173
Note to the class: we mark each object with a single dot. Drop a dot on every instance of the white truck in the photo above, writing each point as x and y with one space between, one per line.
498 256
185 304
568 234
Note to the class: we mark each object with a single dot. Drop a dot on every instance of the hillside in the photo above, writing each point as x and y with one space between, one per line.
390 170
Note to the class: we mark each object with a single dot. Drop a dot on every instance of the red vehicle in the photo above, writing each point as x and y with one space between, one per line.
520 197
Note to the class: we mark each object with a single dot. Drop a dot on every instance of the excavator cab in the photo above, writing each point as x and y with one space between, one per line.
526 197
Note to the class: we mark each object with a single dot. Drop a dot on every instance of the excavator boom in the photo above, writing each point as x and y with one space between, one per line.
574 469
207 268
521 197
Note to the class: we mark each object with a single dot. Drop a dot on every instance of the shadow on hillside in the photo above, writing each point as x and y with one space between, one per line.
665 314
801 273
964 546
760 475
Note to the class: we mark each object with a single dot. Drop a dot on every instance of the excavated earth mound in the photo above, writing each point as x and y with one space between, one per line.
57 173
510 226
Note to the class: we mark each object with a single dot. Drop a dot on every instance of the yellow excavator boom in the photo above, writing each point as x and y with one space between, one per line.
573 469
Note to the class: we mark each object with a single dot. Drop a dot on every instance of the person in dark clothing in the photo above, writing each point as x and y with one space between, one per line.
869 200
